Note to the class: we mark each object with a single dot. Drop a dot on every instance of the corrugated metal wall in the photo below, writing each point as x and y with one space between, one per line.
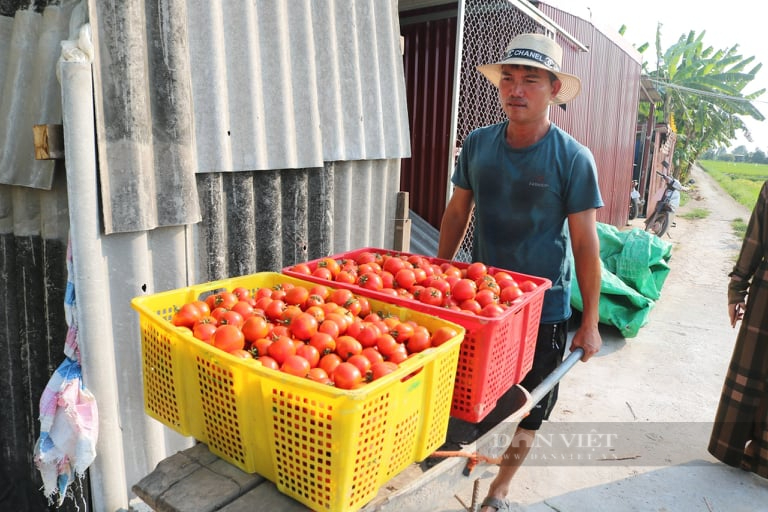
247 89
429 60
255 219
604 116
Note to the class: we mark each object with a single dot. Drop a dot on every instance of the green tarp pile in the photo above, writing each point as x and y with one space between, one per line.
635 266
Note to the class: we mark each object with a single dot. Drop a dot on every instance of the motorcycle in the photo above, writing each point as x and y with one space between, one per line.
659 221
635 203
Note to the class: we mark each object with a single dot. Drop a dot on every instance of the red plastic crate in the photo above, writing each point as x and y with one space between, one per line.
496 353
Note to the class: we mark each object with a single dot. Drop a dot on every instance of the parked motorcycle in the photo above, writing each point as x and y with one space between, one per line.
663 214
635 203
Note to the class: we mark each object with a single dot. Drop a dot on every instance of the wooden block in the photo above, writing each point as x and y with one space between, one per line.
194 480
49 141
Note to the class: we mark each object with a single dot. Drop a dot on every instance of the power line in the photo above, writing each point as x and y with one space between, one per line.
704 93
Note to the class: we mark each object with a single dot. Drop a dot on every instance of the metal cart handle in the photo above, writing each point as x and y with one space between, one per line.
553 378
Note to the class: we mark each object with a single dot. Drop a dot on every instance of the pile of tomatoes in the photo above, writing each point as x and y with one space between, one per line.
328 335
472 288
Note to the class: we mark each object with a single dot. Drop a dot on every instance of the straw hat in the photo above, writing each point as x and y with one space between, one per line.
538 51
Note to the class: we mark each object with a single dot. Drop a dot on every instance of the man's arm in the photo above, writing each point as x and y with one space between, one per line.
454 223
586 255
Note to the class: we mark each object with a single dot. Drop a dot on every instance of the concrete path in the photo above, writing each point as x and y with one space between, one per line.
632 425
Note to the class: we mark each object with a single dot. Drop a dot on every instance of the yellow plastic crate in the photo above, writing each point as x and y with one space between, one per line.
328 448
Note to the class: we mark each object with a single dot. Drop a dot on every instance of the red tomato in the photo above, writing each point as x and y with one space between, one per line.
320 290
471 306
441 284
476 269
363 364
365 257
329 362
492 310
528 286
354 307
260 347
295 365
510 294
347 346
303 326
347 376
431 296
341 321
464 289
274 309
203 306
243 307
379 370
443 334
323 273
387 279
386 344
486 296
331 264
487 282
317 312
317 374
372 354
204 331
302 268
242 292
401 332
243 354
341 296
231 317
187 315
263 292
281 348
296 296
323 342
451 270
346 277
420 274
329 327
228 338
398 355
418 342
310 353
504 279
268 362
223 299
370 281
405 278
368 334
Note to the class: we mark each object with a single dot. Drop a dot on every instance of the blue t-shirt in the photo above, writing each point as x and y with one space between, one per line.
522 200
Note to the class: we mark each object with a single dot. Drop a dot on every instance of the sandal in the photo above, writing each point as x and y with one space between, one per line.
499 505
748 462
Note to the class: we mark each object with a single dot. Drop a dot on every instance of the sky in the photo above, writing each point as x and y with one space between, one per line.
725 23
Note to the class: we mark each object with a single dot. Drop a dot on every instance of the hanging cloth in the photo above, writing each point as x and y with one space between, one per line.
68 413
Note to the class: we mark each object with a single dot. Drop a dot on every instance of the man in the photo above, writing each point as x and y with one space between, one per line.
534 190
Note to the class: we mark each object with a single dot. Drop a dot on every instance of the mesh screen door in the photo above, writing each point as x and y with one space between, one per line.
485 29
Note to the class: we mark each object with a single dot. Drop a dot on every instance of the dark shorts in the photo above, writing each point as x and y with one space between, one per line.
550 349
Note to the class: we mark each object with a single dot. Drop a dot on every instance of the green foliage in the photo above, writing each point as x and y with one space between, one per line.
703 92
741 180
739 227
696 213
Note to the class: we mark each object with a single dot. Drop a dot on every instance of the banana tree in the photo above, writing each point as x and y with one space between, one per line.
702 90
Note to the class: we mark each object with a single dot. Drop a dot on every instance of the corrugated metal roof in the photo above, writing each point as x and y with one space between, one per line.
198 86
29 91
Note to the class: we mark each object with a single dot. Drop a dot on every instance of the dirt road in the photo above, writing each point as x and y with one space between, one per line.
632 425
